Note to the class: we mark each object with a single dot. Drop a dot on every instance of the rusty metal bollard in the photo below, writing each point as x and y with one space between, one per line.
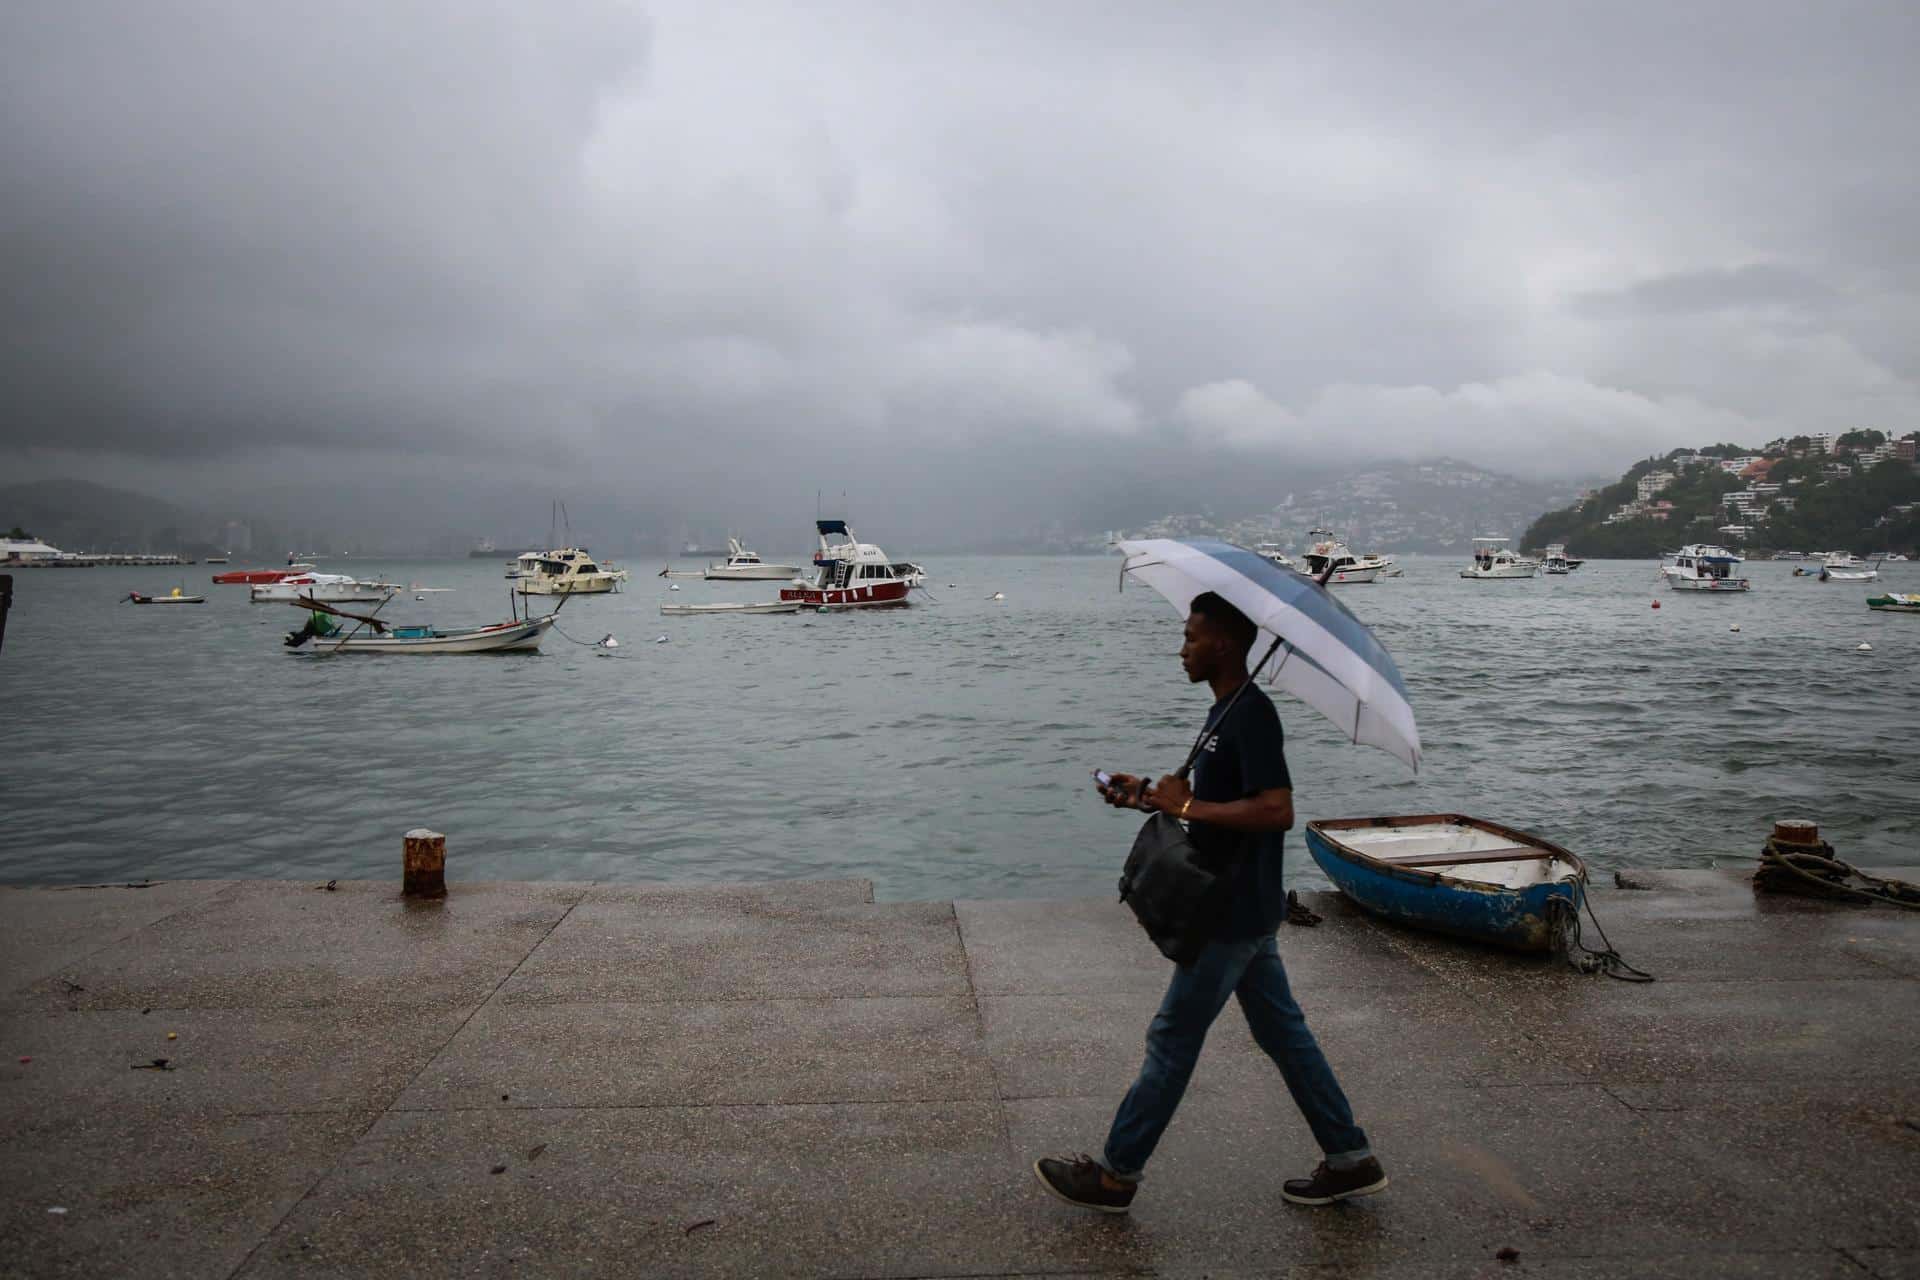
425 874
1797 831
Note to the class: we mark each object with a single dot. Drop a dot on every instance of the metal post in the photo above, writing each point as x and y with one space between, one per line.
6 603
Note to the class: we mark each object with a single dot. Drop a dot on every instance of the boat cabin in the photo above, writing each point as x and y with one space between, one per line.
566 571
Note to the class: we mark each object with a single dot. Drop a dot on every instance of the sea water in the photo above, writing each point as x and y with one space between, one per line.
942 751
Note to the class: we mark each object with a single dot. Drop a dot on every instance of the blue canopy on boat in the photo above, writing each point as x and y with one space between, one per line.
831 526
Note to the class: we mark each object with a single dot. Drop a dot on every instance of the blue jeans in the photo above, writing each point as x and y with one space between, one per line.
1249 968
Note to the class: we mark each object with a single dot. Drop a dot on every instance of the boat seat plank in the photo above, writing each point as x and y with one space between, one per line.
1516 853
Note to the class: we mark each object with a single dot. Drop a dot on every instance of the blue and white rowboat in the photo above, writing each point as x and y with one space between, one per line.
1454 874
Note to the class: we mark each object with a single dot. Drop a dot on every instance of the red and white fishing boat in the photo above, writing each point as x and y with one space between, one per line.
257 577
850 574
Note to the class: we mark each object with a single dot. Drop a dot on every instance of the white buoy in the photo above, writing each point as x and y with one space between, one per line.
608 642
998 595
659 639
673 586
1734 627
1864 648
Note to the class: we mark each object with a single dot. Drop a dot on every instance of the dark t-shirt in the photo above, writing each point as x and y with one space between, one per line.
1241 757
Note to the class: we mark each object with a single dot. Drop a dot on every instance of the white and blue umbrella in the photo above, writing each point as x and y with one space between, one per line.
1327 658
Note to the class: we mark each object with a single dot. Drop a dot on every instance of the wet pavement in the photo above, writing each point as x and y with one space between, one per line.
790 1079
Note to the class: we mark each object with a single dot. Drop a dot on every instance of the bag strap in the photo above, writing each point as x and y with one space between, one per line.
1213 725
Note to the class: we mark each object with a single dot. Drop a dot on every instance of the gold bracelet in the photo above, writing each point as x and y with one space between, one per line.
1188 805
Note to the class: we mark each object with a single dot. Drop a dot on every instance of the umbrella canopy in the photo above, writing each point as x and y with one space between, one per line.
1328 659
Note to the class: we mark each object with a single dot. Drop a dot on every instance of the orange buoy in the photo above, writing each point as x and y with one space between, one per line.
1656 604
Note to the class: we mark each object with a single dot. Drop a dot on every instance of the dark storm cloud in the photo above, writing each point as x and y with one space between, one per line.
722 255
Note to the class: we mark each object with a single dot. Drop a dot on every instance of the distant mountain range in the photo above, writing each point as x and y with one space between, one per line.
1438 505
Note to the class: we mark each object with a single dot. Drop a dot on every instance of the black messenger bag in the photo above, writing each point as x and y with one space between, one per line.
1174 896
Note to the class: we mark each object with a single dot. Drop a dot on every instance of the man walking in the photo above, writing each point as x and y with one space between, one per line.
1238 810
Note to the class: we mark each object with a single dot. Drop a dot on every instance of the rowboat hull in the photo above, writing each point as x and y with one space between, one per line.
505 637
1895 602
695 610
1508 903
140 599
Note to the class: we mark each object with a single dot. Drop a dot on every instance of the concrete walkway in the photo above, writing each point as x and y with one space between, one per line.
570 1079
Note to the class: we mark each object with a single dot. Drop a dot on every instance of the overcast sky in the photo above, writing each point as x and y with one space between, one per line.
722 255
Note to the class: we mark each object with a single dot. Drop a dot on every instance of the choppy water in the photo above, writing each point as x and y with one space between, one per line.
942 751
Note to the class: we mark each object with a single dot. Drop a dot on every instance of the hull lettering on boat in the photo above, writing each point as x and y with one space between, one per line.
885 593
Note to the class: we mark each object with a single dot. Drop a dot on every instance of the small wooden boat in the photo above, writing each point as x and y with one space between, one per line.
765 606
1454 874
326 635
177 596
1895 602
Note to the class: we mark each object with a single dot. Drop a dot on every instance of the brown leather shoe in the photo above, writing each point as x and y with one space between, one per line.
1328 1185
1078 1182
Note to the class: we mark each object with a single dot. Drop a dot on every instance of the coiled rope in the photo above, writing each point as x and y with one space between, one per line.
1563 917
1812 870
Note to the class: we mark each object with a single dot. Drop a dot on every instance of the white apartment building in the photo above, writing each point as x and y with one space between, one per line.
1653 482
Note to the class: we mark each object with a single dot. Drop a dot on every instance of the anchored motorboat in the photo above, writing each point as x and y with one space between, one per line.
1701 566
850 574
1492 561
743 565
566 571
1331 554
1555 560
1844 566
1895 602
1271 551
330 588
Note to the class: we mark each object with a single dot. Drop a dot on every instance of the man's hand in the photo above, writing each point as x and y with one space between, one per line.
1169 795
1123 792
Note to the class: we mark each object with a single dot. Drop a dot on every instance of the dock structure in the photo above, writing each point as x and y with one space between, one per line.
261 1079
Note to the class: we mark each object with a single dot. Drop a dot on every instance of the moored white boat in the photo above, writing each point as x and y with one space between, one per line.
1271 551
743 565
1554 560
1702 566
1844 566
566 571
329 588
1346 568
850 574
1492 561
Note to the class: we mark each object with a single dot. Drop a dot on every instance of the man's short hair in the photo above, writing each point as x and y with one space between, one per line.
1238 626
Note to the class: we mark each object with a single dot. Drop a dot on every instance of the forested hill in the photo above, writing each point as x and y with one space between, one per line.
1859 493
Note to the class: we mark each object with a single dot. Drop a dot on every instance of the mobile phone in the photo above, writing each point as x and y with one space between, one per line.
1102 777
